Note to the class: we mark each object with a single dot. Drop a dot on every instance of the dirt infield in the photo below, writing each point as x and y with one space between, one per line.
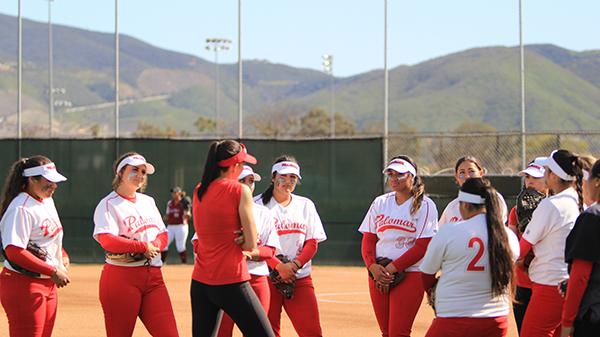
342 293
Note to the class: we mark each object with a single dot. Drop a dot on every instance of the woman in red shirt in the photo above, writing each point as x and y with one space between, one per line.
221 208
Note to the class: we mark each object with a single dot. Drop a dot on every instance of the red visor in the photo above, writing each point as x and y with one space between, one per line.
241 157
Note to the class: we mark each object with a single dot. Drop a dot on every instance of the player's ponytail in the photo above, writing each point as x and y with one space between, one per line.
218 150
499 252
572 165
15 182
267 195
418 188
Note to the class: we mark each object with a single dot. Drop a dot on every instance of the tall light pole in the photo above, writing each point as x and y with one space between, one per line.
385 83
50 72
19 73
117 69
240 78
328 68
216 45
522 54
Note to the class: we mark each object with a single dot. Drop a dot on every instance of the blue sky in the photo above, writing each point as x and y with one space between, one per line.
298 32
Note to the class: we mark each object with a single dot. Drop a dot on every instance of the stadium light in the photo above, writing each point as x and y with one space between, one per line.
328 68
216 45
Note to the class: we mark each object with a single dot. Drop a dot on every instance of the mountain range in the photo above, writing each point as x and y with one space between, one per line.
172 90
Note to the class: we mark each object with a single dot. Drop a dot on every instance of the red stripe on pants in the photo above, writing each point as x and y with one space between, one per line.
544 311
396 310
30 304
130 292
260 285
468 327
302 309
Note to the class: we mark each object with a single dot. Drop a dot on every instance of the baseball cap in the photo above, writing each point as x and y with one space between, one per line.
240 157
534 169
401 166
136 160
47 171
248 171
287 167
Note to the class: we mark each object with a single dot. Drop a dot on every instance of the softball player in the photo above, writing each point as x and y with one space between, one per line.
29 280
475 257
268 242
221 208
128 225
398 226
582 302
547 231
534 178
177 216
466 167
300 230
587 162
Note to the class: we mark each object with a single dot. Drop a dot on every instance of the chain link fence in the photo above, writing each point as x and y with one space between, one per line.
500 153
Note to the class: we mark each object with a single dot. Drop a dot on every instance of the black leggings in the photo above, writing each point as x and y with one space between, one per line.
522 298
238 300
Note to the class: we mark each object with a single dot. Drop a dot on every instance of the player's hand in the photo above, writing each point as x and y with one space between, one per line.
383 288
151 251
390 268
239 237
66 262
380 273
286 272
566 332
60 278
247 255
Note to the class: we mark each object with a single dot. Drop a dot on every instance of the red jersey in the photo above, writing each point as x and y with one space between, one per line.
175 213
219 260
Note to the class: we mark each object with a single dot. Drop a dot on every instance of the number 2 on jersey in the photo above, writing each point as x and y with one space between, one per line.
472 265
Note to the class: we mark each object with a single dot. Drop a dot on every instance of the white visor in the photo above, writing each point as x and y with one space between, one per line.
470 198
586 175
248 171
553 166
136 160
401 166
47 171
533 169
287 167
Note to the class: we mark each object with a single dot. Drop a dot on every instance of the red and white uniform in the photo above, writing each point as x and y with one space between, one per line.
396 229
136 219
30 220
452 214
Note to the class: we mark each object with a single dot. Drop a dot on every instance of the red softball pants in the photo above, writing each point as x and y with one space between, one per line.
260 285
30 304
543 315
130 292
468 327
302 309
396 310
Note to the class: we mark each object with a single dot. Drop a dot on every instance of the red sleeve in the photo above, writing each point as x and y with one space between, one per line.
367 248
578 281
428 280
195 245
308 251
25 259
272 262
413 255
161 240
265 252
117 244
525 247
512 217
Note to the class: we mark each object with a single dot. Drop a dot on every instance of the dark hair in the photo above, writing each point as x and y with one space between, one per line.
573 166
470 159
500 256
218 150
418 187
595 170
118 178
268 193
15 182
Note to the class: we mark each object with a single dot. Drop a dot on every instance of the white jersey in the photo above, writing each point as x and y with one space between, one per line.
137 219
397 229
295 223
547 231
452 214
267 236
460 252
30 220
